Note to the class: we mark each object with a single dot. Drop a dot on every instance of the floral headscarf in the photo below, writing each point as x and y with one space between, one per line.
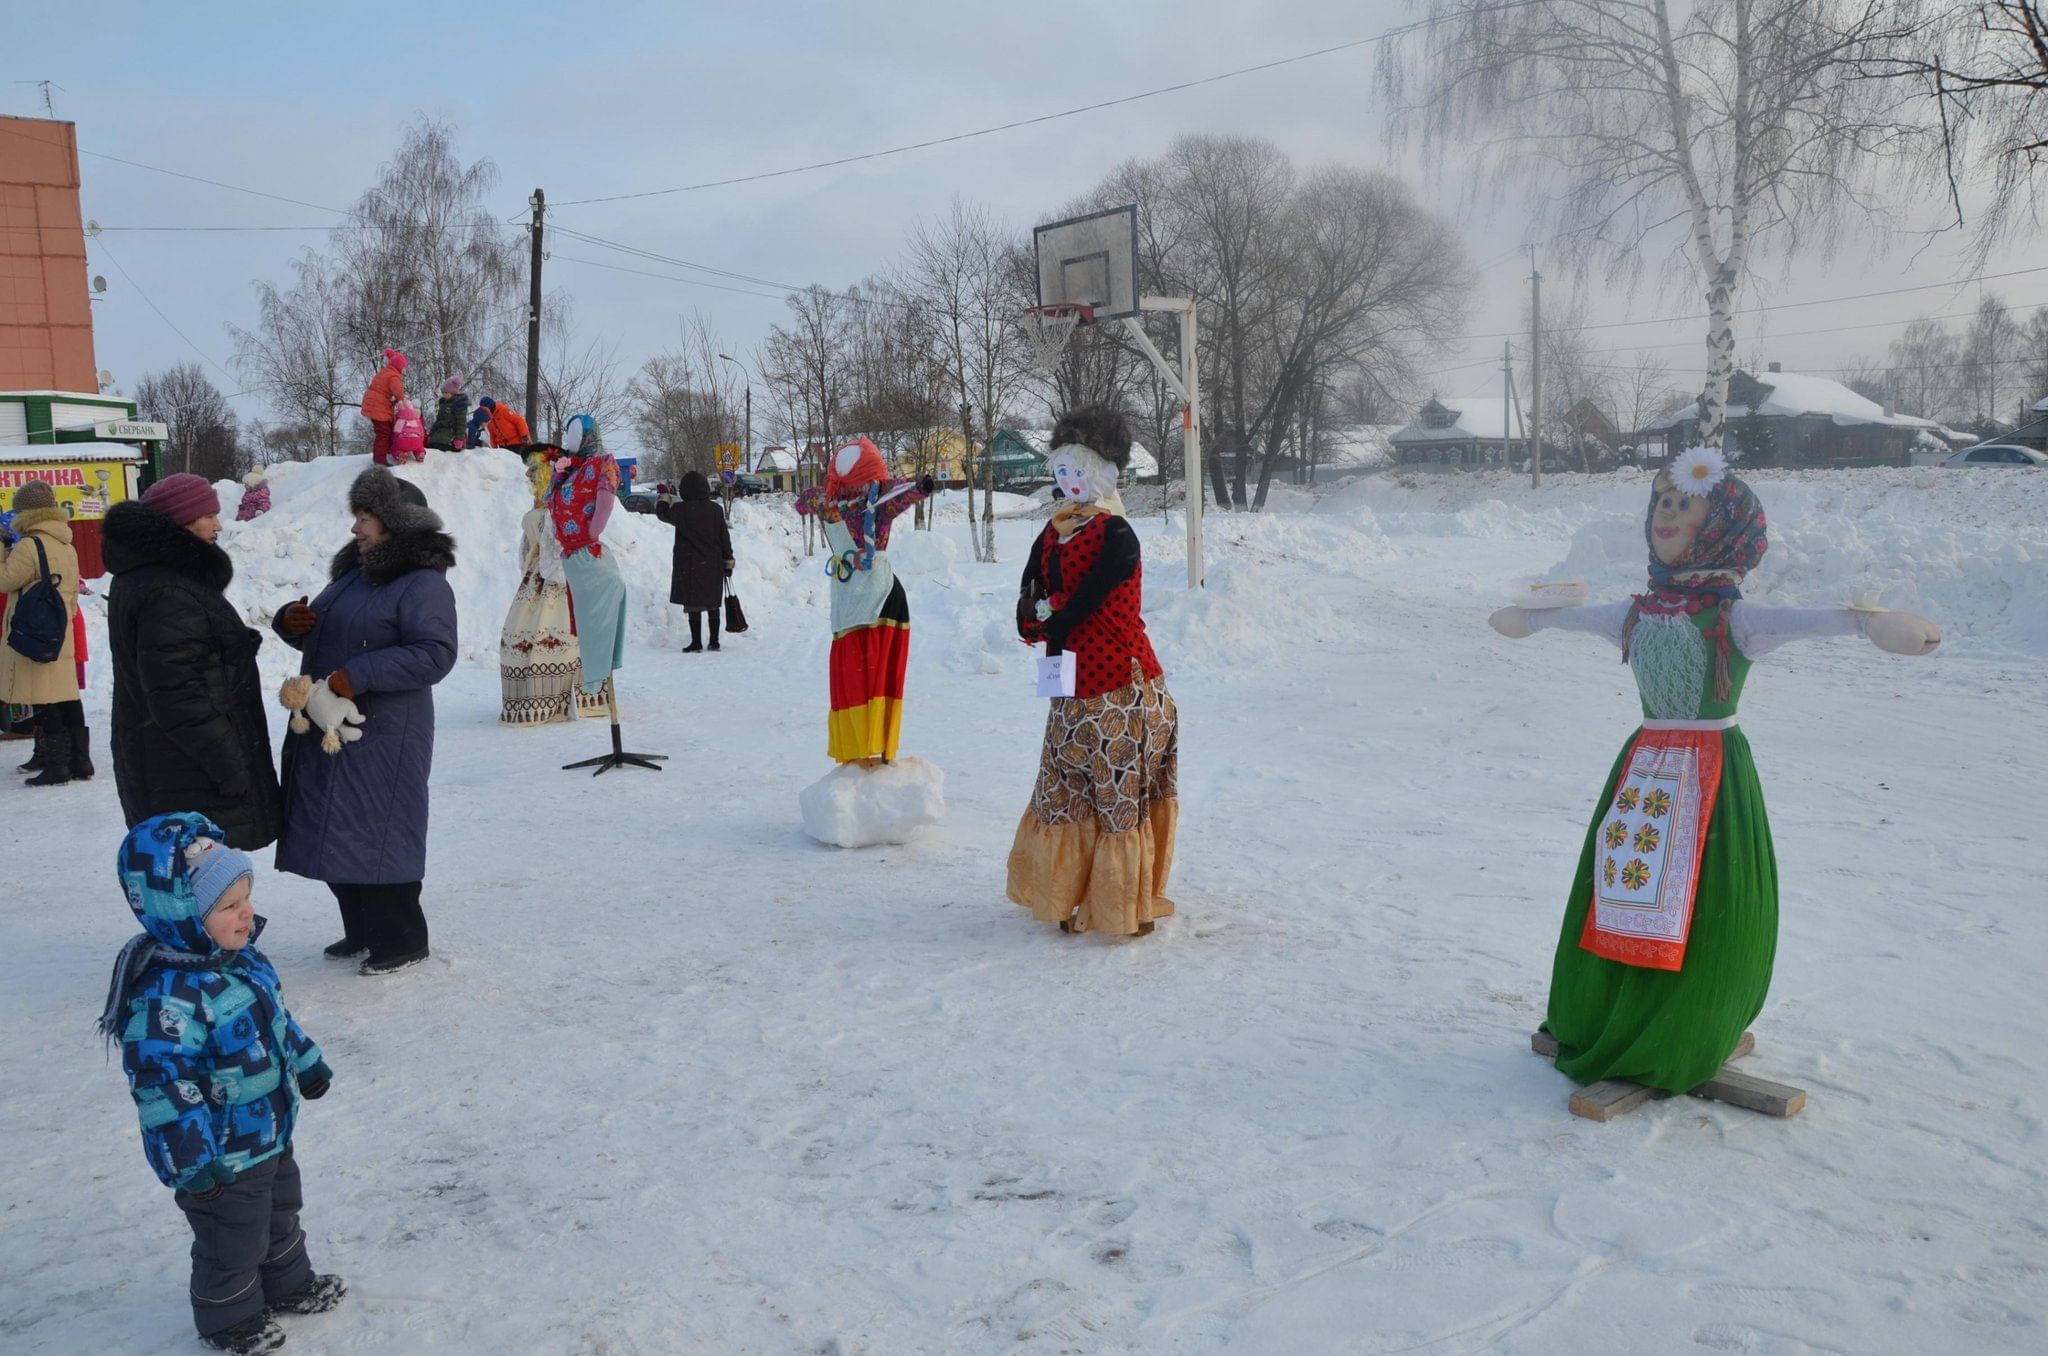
1731 543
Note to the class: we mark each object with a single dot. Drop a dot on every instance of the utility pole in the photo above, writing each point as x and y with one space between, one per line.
1507 397
540 206
1535 373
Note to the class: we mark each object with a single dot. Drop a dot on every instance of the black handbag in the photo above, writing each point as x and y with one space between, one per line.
40 621
735 616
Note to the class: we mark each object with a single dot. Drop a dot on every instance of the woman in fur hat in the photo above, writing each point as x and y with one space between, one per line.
63 743
381 634
870 611
1672 924
1095 846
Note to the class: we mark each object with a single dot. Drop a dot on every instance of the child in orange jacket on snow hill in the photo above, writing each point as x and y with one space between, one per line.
508 427
380 403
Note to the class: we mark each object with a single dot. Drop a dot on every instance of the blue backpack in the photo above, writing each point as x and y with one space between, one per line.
40 621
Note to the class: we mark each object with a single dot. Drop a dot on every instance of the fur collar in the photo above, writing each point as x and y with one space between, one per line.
135 536
52 520
398 555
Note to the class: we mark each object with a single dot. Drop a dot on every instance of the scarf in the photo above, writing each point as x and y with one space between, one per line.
1070 516
1731 543
136 959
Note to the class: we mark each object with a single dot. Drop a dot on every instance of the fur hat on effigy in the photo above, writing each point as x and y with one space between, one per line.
398 504
1093 446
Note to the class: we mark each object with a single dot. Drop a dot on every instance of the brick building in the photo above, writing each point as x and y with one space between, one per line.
45 315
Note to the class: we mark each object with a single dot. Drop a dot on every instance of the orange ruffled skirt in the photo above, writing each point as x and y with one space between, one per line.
1096 843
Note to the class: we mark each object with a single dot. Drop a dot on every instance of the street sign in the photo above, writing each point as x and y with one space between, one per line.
130 430
728 478
728 456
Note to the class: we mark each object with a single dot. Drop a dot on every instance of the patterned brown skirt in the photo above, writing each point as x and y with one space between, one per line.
1096 843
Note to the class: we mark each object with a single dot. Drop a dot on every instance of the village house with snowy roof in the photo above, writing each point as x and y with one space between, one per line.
1460 433
1779 418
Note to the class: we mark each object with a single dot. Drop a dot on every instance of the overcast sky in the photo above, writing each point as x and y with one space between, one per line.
306 101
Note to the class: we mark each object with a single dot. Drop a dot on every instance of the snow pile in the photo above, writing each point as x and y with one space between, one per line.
1968 550
855 807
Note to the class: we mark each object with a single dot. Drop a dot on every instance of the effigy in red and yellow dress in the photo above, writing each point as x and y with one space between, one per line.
870 612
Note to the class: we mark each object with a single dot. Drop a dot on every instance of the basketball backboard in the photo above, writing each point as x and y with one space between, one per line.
1091 261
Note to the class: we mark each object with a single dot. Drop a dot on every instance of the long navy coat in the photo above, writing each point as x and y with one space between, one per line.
359 817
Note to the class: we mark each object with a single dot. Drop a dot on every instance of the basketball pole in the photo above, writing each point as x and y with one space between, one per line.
1186 383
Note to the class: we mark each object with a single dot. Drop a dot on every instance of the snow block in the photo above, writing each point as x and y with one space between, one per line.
852 806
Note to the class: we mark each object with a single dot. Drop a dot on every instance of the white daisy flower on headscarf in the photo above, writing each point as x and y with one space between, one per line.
1697 470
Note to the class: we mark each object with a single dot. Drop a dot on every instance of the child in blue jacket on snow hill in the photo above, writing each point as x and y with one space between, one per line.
217 1067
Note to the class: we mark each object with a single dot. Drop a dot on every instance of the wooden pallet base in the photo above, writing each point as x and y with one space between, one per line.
1612 1097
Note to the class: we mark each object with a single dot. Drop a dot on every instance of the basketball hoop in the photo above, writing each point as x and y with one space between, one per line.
1048 328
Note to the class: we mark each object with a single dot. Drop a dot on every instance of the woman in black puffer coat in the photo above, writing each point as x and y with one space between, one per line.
190 731
703 555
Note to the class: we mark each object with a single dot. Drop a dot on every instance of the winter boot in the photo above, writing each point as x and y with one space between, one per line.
36 756
316 1296
81 754
56 758
391 965
348 948
253 1338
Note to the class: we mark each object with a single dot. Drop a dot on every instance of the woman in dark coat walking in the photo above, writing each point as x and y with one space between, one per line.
190 732
381 634
703 555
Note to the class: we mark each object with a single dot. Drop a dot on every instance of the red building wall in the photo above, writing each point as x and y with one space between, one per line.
45 311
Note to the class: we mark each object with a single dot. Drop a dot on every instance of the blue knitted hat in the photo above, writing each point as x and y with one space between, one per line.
215 870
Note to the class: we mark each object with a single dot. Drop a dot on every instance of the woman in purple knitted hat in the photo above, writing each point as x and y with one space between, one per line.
189 726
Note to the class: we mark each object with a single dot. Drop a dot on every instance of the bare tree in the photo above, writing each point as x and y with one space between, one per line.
427 267
2033 353
1870 379
962 279
1746 123
577 377
298 355
1574 371
1643 392
684 403
1983 65
1989 342
203 437
1926 366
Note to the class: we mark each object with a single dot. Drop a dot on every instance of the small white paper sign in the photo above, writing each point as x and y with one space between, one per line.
1056 675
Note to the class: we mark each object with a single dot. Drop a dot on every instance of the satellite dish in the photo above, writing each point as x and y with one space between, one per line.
106 378
92 226
99 282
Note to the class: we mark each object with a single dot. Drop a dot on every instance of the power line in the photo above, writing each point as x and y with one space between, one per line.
1399 31
160 312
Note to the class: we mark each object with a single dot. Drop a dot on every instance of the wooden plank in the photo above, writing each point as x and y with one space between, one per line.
1752 1093
1612 1097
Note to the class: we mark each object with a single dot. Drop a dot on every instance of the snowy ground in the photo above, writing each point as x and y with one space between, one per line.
679 1079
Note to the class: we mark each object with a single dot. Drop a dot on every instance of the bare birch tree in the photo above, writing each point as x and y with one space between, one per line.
1983 65
1744 126
961 278
427 267
298 355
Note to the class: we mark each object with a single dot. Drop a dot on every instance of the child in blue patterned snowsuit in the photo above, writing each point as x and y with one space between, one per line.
217 1066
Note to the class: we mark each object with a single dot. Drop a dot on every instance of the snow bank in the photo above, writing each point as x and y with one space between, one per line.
855 807
1969 549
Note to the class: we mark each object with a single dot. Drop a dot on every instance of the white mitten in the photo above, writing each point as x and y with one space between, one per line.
1512 622
336 716
1902 633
